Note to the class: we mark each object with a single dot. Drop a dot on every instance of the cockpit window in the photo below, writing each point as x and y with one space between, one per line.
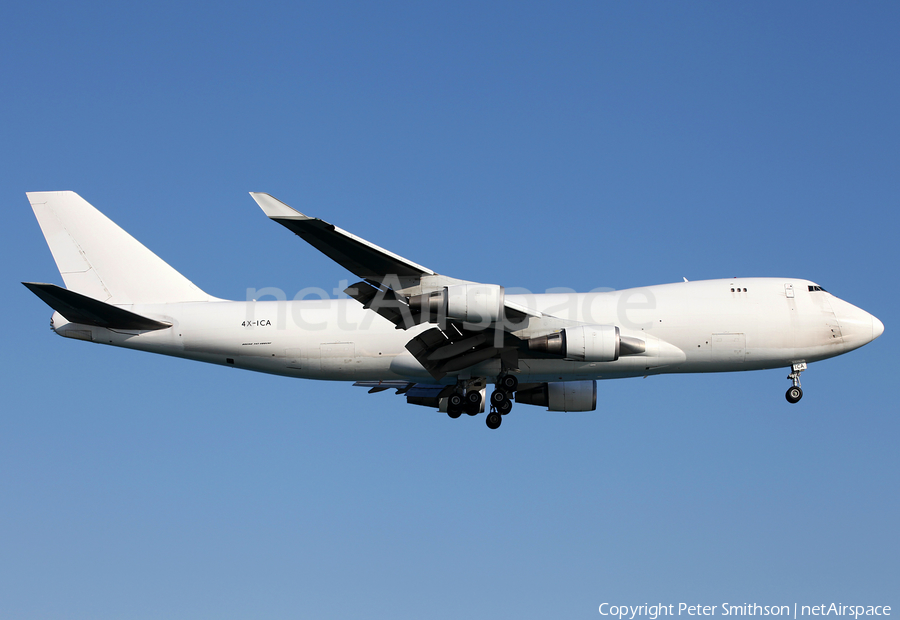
816 288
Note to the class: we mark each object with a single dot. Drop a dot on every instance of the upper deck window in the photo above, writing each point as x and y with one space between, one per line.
817 288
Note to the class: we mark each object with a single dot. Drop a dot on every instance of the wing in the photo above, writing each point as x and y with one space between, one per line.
473 322
366 260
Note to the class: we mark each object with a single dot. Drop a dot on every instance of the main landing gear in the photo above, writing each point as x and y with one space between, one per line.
455 404
501 400
794 393
469 400
464 402
473 402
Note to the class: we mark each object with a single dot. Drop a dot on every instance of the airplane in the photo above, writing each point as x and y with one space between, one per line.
437 340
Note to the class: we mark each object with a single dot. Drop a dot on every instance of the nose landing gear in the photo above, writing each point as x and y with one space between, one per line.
794 393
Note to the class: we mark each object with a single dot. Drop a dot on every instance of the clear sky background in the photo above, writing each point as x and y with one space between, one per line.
527 144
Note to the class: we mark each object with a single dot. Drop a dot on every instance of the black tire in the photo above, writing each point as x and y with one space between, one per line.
473 402
493 421
508 383
454 412
504 408
498 397
794 394
455 400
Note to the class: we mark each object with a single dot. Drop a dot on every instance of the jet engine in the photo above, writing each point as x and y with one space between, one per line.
586 343
473 303
561 395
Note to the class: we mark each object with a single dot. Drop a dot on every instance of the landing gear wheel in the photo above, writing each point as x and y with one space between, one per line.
455 405
493 420
498 397
794 394
508 383
473 402
504 408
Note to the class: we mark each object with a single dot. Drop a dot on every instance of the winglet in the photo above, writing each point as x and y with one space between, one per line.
274 208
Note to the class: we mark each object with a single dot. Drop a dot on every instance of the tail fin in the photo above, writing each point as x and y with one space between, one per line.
100 260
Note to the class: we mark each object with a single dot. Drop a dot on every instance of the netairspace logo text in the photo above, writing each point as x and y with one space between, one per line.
652 612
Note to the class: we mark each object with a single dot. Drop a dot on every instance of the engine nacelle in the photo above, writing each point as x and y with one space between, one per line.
475 303
481 304
586 343
592 343
561 396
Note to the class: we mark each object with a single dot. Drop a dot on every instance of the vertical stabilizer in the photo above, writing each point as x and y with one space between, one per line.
98 259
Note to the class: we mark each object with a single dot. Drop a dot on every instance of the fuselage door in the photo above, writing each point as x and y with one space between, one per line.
789 291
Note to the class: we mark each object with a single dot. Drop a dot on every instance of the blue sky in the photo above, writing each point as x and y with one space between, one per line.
581 145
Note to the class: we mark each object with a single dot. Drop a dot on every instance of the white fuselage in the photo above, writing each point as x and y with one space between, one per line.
704 326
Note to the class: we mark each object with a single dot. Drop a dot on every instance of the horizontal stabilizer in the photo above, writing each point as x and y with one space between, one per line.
361 257
79 308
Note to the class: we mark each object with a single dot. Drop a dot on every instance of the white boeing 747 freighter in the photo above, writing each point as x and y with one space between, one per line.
437 340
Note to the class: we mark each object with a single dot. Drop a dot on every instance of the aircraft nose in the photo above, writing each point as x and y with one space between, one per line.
857 326
877 328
